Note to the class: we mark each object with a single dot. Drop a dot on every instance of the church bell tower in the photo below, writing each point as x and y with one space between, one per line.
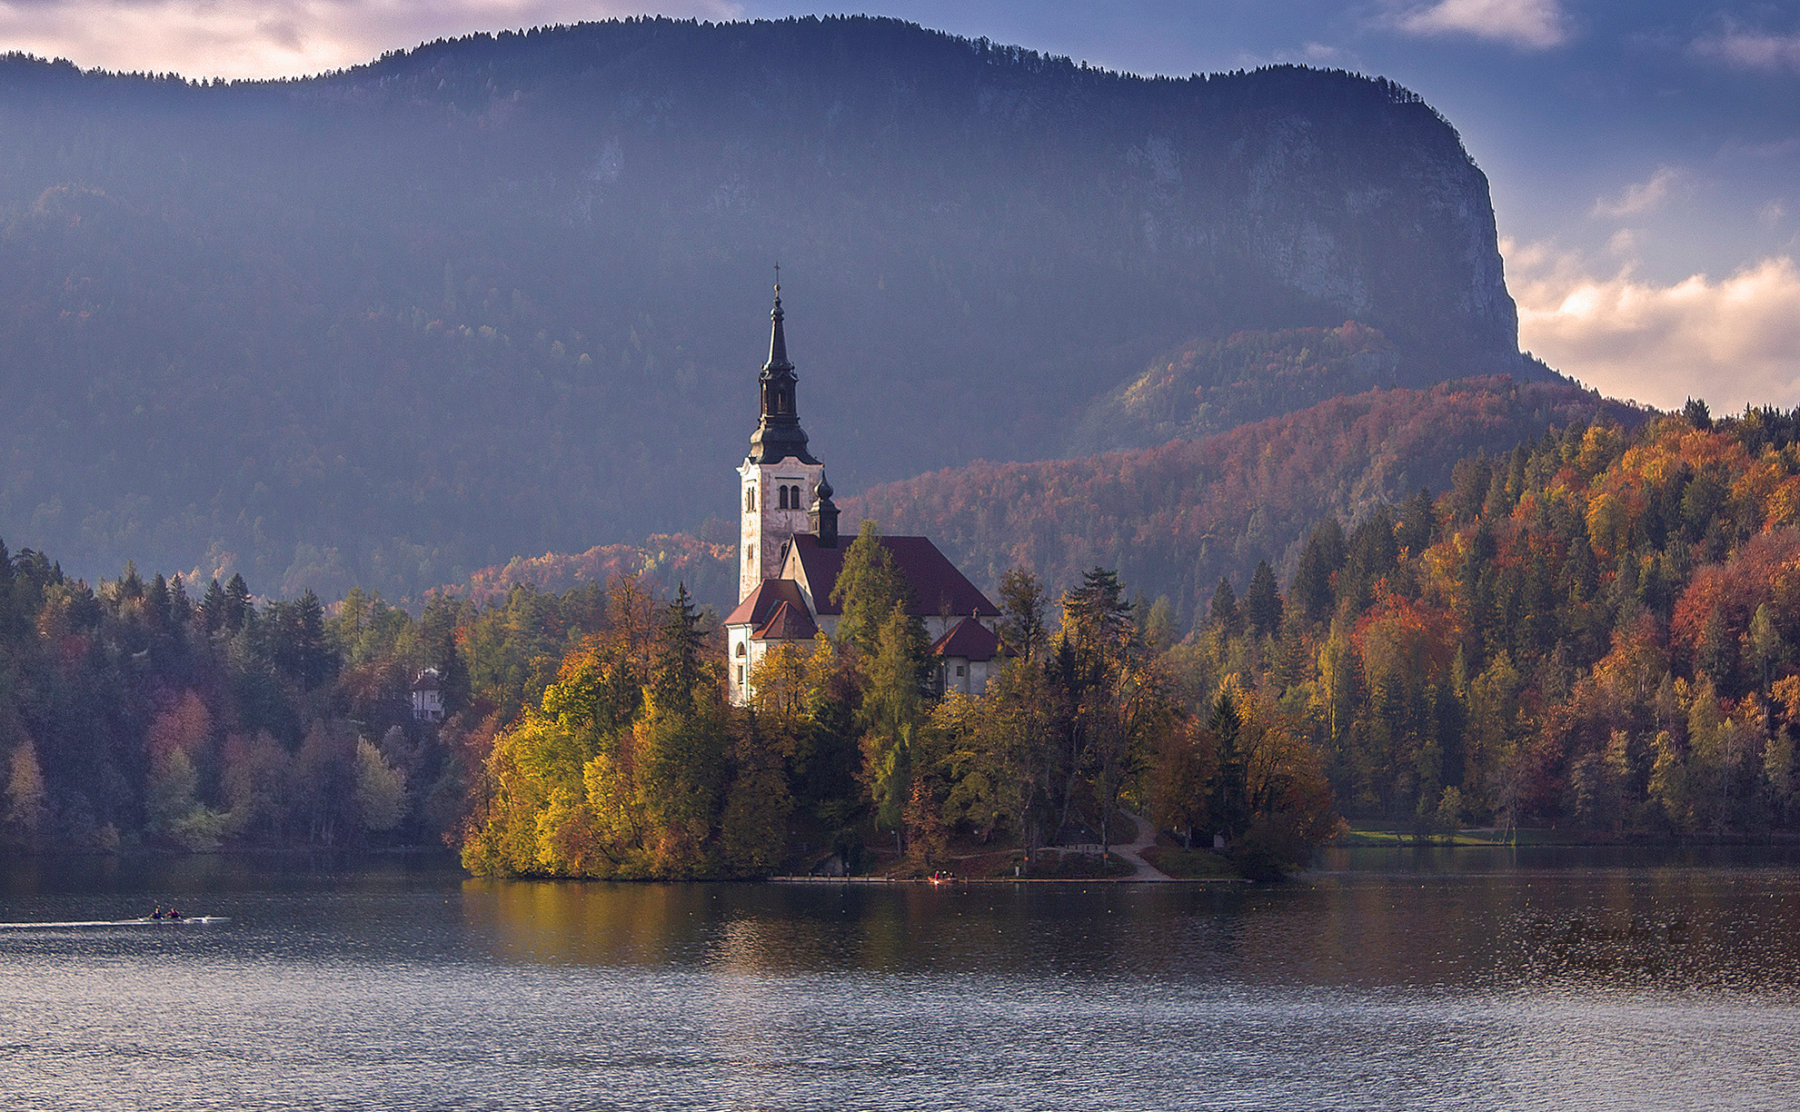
777 480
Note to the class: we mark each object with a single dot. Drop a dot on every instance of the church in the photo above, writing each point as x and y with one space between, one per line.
790 553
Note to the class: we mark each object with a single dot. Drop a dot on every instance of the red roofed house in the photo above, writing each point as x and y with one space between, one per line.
791 554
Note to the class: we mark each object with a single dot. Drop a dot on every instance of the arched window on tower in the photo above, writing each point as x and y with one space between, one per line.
784 504
750 500
798 504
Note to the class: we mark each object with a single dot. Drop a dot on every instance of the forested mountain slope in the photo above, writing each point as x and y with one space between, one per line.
1176 518
507 295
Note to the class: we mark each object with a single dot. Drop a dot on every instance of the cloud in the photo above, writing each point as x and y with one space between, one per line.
1639 197
1734 341
1533 24
1752 50
280 38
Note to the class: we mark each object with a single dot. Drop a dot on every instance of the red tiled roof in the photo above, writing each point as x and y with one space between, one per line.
787 623
969 640
937 587
760 606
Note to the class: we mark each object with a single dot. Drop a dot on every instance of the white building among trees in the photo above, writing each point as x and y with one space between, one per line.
790 554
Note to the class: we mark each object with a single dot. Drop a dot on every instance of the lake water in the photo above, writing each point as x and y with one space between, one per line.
1385 979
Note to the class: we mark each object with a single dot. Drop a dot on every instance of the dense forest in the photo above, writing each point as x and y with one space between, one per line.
482 299
139 714
1595 630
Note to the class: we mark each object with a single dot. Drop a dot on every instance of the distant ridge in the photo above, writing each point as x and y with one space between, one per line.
1172 519
1176 518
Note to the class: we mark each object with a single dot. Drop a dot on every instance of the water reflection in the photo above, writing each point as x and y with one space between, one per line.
1383 980
1394 924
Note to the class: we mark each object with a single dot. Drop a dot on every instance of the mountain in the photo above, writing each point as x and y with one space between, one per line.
506 294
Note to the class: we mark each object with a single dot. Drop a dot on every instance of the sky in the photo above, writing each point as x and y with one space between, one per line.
1644 155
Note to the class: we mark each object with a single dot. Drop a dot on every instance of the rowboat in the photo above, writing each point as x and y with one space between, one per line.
145 921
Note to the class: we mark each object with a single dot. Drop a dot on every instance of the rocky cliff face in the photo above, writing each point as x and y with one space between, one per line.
507 295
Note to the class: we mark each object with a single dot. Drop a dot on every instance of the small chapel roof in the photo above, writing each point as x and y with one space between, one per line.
789 622
937 587
968 640
756 610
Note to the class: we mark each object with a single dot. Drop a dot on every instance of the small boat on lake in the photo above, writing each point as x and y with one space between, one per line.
145 921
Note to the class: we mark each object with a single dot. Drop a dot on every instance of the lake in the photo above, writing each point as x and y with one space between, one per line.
1466 979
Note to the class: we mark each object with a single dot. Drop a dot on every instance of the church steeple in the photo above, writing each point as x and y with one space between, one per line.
779 475
777 339
778 433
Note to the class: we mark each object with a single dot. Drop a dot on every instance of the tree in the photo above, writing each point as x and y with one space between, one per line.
1096 614
26 798
257 785
238 609
1228 803
891 711
1159 630
379 792
1225 615
680 645
869 590
753 830
1765 644
1180 770
213 607
1311 590
1262 602
1022 605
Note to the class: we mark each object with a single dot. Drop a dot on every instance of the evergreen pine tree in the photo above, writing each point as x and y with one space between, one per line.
1262 602
679 649
239 610
213 606
1226 617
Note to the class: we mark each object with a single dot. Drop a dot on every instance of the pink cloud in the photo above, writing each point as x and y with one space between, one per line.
1533 24
1734 341
282 38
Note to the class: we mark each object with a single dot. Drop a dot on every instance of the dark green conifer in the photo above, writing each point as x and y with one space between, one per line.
1262 602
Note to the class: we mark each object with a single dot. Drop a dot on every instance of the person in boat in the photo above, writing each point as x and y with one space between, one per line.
173 914
157 914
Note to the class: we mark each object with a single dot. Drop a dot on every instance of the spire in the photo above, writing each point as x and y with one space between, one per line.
778 359
778 434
